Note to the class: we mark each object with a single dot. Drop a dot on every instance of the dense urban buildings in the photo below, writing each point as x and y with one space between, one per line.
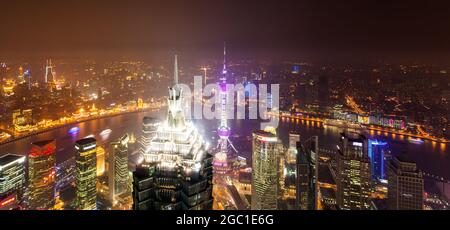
405 188
360 110
176 173
353 173
42 175
86 174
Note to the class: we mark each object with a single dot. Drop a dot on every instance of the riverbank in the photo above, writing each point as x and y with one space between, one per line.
29 134
344 124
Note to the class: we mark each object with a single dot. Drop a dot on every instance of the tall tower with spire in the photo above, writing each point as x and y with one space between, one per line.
49 72
176 172
224 144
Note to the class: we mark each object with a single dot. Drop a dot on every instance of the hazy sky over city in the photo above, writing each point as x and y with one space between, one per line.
317 28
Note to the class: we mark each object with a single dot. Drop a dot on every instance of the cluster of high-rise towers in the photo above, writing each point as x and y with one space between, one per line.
176 172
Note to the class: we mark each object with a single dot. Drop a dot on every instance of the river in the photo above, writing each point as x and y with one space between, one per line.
431 157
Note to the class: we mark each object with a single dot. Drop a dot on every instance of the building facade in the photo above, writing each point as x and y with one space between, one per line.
42 174
264 171
86 174
353 173
406 185
12 176
118 167
377 150
307 173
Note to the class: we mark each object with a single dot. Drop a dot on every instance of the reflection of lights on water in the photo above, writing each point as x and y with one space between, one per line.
433 144
443 145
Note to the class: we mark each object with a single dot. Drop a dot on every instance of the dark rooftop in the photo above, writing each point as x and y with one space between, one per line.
5 159
86 141
42 143
405 159
264 133
354 136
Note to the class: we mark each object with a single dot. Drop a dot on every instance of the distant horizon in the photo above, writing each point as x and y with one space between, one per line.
332 31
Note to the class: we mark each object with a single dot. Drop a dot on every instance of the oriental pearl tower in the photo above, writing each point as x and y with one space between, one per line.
224 144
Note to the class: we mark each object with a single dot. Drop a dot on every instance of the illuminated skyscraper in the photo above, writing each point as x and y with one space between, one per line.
12 176
149 127
224 143
405 187
307 173
42 174
20 77
176 173
49 73
353 173
377 151
265 171
118 167
86 175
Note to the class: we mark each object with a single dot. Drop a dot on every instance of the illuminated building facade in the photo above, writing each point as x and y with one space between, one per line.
406 185
176 173
86 174
42 175
307 173
9 202
264 171
22 119
118 167
353 173
101 155
49 73
377 151
149 127
12 176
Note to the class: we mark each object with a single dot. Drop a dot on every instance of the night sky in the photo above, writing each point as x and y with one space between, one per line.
290 28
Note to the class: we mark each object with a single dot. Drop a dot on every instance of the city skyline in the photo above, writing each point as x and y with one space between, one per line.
231 105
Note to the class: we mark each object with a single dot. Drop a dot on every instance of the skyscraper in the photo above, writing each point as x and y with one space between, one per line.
149 127
12 176
323 90
42 174
377 151
176 173
86 175
353 172
405 187
265 171
49 73
307 173
118 167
